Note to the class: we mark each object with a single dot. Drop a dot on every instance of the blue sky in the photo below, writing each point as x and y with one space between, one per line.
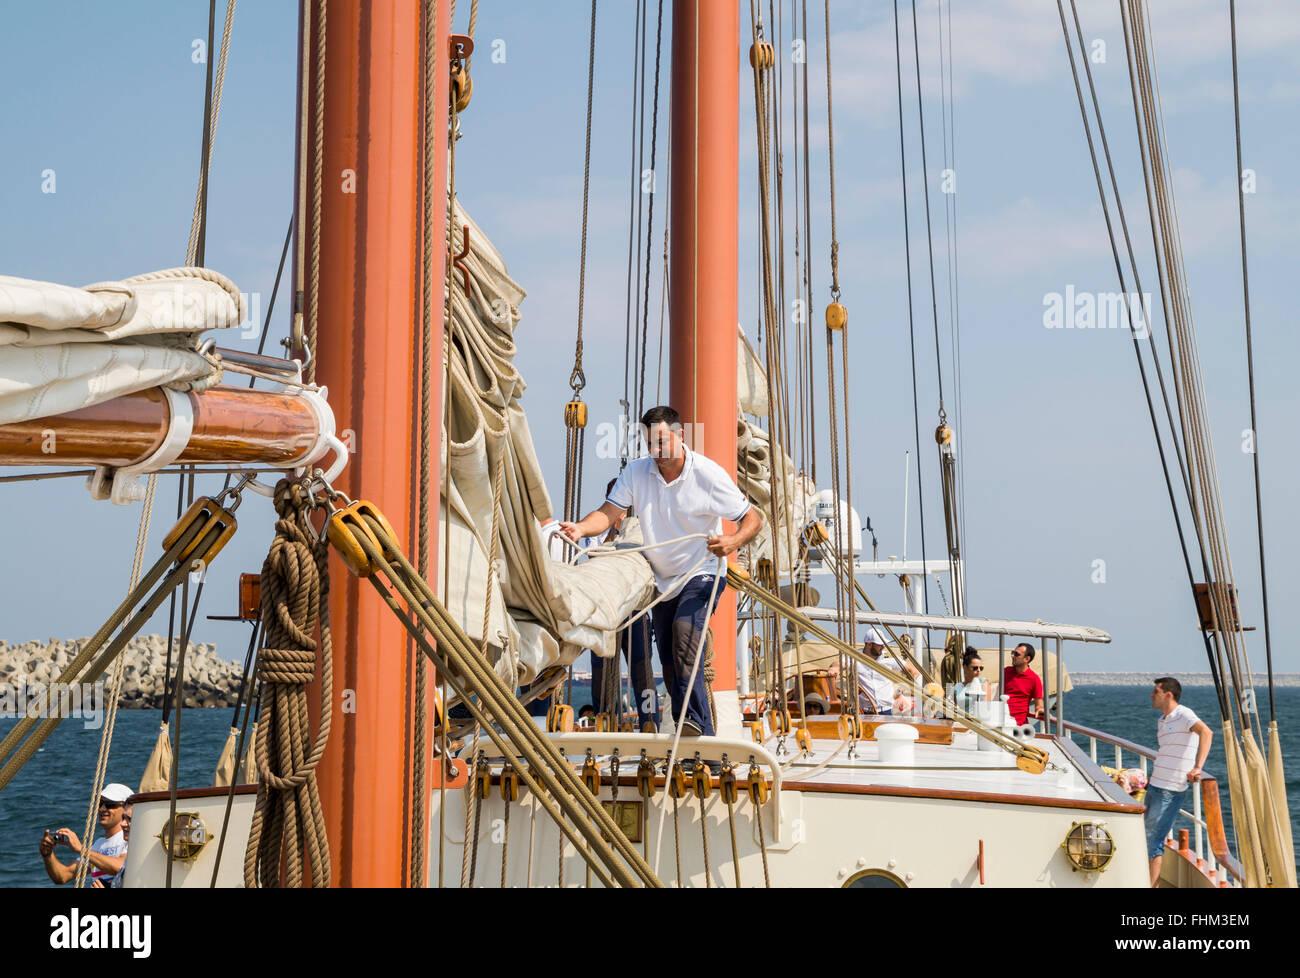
1060 464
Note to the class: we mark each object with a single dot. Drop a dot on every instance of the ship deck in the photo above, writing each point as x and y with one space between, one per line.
958 770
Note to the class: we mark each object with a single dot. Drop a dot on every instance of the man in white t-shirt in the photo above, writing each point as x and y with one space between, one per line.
681 498
1184 745
107 855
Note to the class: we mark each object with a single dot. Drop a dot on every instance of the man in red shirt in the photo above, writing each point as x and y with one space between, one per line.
1022 685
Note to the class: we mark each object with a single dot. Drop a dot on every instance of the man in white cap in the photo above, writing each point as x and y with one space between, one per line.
875 690
107 855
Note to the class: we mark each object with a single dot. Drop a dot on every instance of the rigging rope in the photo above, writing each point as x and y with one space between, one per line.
1250 357
1155 426
911 322
288 821
929 237
416 663
575 413
317 195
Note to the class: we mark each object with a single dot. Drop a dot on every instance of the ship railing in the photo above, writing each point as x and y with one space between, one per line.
1209 837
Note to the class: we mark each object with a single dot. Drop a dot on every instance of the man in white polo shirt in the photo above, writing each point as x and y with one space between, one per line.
1184 745
678 493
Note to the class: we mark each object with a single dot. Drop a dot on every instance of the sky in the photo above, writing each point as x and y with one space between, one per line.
1060 468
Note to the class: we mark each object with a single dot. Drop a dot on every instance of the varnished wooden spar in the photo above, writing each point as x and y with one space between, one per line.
231 425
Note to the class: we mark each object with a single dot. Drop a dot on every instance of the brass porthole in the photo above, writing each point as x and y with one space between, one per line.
874 879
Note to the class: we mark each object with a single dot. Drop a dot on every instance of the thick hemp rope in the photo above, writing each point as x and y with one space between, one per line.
289 821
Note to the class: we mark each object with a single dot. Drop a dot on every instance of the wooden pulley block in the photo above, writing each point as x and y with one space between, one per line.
804 739
462 88
727 783
483 779
815 533
645 777
765 574
509 783
344 529
649 727
849 727
1031 759
943 435
701 779
780 721
757 785
204 511
591 773
755 728
677 781
762 55
605 723
575 414
837 317
537 779
460 47
559 718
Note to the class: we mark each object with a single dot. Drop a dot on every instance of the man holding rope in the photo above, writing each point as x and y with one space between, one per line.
681 498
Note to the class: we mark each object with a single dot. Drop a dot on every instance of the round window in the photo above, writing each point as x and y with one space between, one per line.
876 879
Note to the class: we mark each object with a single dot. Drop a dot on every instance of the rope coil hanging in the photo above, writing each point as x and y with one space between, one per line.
288 822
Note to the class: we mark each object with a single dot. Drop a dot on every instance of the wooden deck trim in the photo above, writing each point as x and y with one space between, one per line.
949 794
185 794
1212 813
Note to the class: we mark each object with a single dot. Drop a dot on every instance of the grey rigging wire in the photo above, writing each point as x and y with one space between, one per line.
911 318
1250 357
1146 387
654 185
929 235
948 109
629 368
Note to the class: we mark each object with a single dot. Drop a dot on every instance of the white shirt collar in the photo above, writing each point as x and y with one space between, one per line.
686 467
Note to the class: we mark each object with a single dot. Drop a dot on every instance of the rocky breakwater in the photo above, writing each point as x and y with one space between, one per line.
209 679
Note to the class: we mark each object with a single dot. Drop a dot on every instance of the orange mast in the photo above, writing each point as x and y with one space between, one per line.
368 356
703 264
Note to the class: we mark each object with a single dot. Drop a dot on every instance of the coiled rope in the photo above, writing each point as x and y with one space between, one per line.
289 822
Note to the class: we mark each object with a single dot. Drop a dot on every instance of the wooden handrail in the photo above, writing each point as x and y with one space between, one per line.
1212 812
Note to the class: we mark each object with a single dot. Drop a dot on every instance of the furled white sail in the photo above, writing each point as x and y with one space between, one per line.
539 612
63 348
761 477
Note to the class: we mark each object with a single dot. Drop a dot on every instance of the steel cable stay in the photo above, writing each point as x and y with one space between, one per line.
911 317
1262 818
1142 370
1250 361
633 238
762 59
1267 844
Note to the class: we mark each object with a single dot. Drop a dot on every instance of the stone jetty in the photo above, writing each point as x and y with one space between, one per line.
209 679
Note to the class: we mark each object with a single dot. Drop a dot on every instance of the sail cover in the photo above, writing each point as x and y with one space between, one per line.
63 348
532 612
785 496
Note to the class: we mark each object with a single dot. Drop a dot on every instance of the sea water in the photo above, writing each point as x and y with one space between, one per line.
53 790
